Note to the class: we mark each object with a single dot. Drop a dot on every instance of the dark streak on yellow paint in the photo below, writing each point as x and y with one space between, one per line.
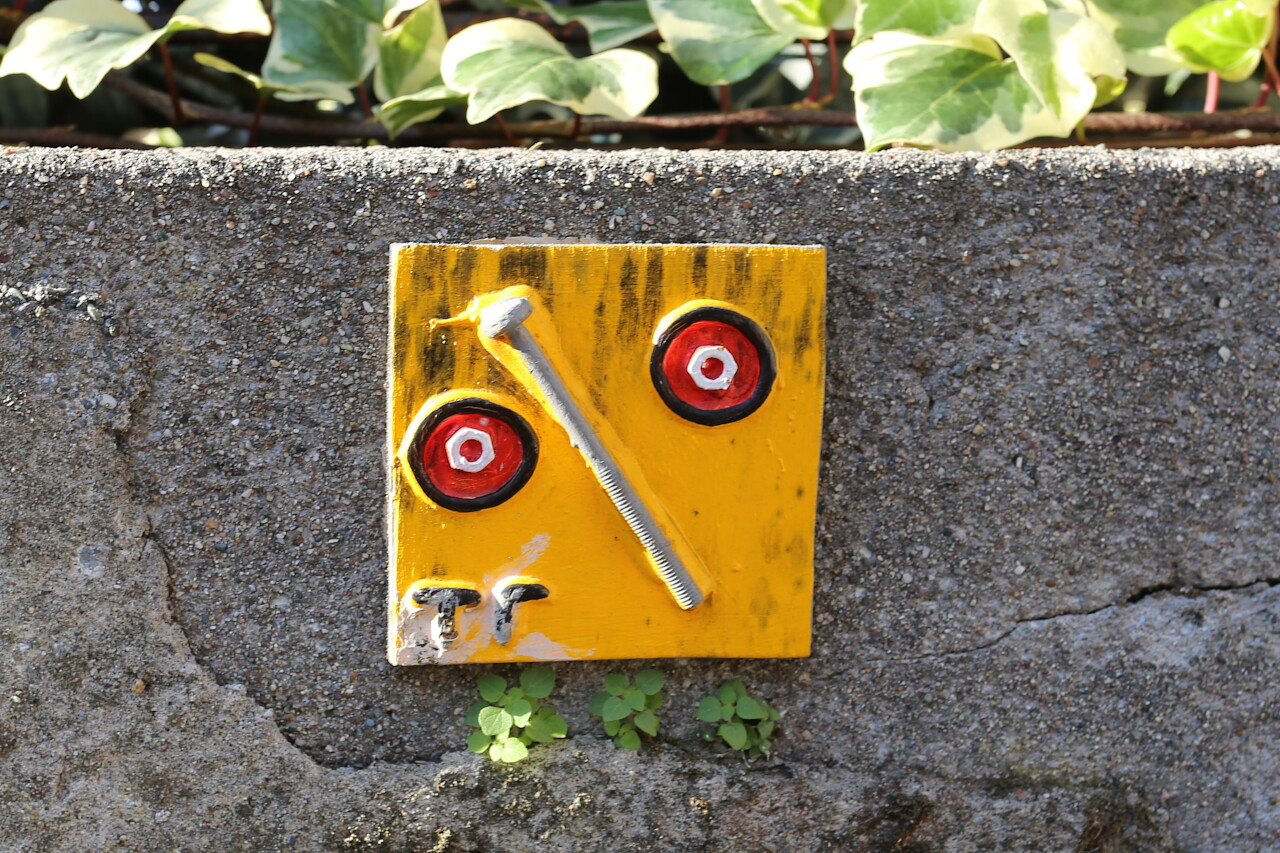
698 275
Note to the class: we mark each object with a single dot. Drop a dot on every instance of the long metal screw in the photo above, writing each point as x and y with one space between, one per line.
505 318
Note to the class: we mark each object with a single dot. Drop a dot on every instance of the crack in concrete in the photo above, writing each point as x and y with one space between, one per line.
1182 589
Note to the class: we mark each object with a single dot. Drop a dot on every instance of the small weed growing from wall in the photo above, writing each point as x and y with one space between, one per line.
743 722
628 709
511 719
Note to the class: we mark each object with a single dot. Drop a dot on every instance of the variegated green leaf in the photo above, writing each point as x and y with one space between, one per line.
217 63
1058 50
934 18
1140 27
370 11
1226 37
224 16
716 41
409 54
805 19
395 8
319 50
399 113
956 94
609 23
79 41
507 62
612 23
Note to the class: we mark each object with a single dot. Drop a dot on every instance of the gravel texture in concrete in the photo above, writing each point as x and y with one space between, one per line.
1047 614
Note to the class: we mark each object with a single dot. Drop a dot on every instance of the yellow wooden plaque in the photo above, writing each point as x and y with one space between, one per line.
603 451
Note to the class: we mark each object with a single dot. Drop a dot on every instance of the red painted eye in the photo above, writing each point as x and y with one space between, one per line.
713 366
473 454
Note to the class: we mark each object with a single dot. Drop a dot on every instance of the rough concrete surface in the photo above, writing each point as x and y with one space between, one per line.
1047 610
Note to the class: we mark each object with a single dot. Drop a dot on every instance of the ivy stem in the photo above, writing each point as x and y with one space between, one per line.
363 94
20 6
577 126
833 61
172 82
1212 85
722 135
257 120
812 97
1261 123
1271 81
506 130
1264 92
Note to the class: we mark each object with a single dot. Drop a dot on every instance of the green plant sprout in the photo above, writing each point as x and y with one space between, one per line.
743 722
628 709
511 719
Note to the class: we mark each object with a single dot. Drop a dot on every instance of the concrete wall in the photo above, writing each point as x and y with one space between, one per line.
1046 609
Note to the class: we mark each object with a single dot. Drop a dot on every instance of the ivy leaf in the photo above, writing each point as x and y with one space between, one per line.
366 10
650 681
654 702
766 727
224 16
647 722
615 684
491 687
613 24
508 62
596 708
611 727
933 18
709 710
956 95
750 708
716 42
628 739
615 709
609 23
409 54
1058 52
510 751
734 734
217 63
495 721
319 50
399 113
1226 37
479 742
558 727
537 682
81 40
806 19
1140 27
728 712
395 8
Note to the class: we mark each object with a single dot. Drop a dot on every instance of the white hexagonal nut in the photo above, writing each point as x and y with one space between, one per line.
459 462
728 368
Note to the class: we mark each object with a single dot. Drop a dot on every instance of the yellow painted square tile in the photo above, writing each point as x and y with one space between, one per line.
489 494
